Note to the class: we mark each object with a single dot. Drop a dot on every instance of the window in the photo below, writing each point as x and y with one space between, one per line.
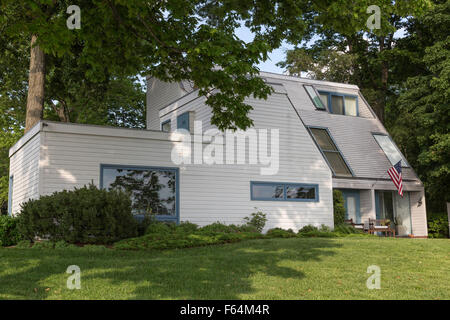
338 103
165 126
274 191
331 152
389 148
183 121
315 97
10 194
152 189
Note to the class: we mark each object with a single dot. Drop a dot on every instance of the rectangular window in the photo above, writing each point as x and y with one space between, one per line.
274 191
390 149
331 152
165 126
10 194
315 97
339 103
151 189
183 121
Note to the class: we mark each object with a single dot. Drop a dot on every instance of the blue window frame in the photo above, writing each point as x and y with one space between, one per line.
166 126
10 194
339 103
183 121
283 191
331 152
154 189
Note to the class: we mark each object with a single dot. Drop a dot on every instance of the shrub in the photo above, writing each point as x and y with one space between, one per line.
308 228
159 228
187 227
24 244
346 229
338 207
438 225
84 215
9 233
257 220
280 233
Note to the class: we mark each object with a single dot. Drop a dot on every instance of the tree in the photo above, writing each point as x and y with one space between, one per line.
170 40
346 50
421 124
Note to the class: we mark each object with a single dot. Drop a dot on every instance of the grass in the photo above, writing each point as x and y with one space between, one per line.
297 268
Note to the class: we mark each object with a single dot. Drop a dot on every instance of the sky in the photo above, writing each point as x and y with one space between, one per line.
274 57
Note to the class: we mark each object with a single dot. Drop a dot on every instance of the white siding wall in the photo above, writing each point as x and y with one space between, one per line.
159 94
24 167
207 193
366 206
418 214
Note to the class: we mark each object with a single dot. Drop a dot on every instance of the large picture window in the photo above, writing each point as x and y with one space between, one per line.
278 191
152 189
331 152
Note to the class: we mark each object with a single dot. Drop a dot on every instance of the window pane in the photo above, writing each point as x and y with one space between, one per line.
314 97
337 104
350 106
337 163
390 149
299 192
166 126
267 191
324 98
323 139
150 190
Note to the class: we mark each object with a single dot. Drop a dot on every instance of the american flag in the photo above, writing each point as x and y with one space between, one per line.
395 173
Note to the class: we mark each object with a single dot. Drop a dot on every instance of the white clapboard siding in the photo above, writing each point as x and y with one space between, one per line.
418 213
208 193
159 94
24 167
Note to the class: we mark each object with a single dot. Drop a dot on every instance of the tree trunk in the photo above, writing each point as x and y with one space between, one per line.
36 83
384 83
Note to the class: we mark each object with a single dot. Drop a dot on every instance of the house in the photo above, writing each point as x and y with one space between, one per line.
309 137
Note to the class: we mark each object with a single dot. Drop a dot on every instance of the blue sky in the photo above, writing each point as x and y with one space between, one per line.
276 56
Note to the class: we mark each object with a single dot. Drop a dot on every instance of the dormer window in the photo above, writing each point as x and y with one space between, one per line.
339 103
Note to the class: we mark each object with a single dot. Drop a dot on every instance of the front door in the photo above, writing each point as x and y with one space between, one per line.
351 202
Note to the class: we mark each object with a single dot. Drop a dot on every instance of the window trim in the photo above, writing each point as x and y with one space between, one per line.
10 194
337 148
318 95
164 122
343 95
168 218
188 115
395 146
285 185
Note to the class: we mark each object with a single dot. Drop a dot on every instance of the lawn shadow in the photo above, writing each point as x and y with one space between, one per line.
214 272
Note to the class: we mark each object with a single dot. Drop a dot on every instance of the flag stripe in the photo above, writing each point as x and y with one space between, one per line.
395 173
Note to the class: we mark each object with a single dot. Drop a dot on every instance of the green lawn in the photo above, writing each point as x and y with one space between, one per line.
311 268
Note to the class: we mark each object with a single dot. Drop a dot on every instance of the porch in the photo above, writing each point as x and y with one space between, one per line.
376 209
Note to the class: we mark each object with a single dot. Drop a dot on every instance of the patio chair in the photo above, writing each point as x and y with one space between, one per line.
381 225
359 226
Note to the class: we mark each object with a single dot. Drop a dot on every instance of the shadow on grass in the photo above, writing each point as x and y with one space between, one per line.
215 272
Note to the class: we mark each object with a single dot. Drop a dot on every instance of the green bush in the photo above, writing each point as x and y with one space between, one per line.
227 228
280 233
158 228
438 225
9 233
84 215
338 207
308 228
24 244
187 227
257 220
